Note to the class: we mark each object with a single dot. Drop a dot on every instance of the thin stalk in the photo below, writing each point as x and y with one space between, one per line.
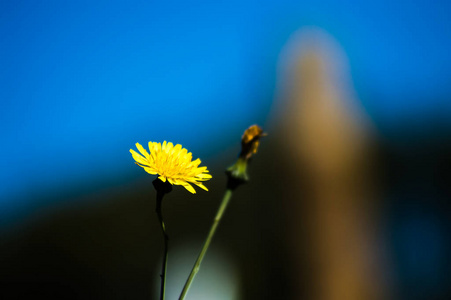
166 239
196 267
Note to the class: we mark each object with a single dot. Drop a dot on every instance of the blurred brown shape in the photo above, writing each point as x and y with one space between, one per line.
327 142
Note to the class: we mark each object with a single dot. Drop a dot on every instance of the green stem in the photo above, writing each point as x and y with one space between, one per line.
166 239
196 267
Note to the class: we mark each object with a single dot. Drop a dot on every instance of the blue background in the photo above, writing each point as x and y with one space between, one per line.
82 81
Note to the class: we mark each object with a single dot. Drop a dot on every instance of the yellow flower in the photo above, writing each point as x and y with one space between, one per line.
172 163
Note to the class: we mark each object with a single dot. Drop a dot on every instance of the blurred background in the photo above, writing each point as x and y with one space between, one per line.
350 192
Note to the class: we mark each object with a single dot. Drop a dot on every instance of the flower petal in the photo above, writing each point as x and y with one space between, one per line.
169 147
202 170
204 176
150 170
138 157
142 150
190 189
201 186
196 163
177 148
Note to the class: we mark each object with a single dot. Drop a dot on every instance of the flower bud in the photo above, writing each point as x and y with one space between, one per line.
249 145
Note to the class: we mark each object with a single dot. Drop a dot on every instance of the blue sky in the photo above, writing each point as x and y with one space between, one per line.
82 81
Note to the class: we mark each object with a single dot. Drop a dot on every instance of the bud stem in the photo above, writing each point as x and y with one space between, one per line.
217 219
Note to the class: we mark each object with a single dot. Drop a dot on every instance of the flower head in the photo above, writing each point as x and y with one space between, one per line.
172 163
249 146
250 141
